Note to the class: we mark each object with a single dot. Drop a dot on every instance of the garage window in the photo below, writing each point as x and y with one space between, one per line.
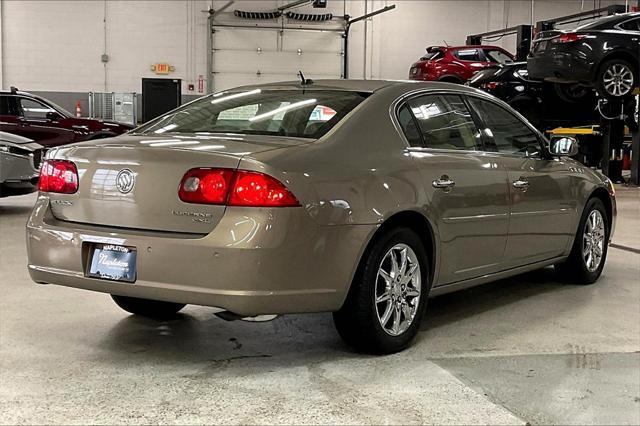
297 113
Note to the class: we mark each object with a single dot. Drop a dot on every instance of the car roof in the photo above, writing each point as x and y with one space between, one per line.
608 21
368 86
18 92
469 46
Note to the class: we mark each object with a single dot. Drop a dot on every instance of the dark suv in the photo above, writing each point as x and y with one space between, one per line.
457 64
604 54
46 123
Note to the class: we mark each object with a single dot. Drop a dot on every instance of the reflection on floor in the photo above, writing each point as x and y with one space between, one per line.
526 349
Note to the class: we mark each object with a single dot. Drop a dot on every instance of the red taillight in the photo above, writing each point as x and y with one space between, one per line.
260 190
58 176
491 85
205 186
234 188
569 38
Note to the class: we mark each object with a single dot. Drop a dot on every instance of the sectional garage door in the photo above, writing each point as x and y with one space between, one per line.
258 55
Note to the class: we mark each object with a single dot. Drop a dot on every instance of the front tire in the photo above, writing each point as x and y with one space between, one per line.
617 78
388 296
589 251
148 308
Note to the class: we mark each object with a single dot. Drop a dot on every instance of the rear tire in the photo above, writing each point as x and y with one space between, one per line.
148 308
384 289
587 258
617 79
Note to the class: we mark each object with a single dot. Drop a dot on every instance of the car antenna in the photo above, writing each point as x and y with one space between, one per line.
304 81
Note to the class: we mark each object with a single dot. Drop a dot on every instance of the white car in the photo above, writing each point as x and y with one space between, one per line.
20 160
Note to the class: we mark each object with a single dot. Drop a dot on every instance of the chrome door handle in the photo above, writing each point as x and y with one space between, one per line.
445 182
521 184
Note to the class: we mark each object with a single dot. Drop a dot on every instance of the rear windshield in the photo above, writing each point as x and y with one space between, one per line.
433 55
297 113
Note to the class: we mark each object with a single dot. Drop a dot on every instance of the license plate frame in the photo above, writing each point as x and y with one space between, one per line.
112 262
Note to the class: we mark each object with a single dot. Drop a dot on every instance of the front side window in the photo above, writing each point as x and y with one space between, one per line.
508 133
299 113
445 122
494 55
468 55
32 109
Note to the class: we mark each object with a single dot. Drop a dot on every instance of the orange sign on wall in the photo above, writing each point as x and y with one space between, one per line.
162 68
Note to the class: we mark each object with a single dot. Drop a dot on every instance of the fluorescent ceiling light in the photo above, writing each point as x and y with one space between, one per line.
236 96
282 109
166 128
175 143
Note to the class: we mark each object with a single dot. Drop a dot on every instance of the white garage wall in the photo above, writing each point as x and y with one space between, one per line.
56 46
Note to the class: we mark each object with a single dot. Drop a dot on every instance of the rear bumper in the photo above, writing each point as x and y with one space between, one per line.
256 261
560 66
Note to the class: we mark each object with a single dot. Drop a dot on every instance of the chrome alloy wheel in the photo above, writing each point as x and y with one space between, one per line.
618 80
398 287
593 241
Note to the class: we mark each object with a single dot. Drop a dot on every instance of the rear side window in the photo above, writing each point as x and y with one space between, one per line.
4 105
510 135
468 55
409 126
631 25
445 122
299 113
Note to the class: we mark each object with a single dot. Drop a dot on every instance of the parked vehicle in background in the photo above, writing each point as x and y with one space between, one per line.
457 64
361 198
544 104
50 125
604 54
20 160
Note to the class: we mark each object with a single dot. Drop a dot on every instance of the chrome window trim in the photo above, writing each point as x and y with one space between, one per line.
395 105
618 26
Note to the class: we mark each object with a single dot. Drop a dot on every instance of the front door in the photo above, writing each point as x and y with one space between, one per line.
543 206
467 192
41 123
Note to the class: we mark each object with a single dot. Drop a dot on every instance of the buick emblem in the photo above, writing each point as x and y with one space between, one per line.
125 181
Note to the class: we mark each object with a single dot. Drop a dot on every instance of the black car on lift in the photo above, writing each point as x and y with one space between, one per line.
546 105
604 54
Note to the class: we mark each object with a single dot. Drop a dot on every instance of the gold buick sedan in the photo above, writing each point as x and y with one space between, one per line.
361 198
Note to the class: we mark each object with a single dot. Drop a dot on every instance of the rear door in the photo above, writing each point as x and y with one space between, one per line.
543 203
466 193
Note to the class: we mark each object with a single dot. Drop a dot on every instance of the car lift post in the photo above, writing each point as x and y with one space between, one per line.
523 39
615 114
635 144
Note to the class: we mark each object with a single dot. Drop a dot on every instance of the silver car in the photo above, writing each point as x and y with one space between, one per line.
20 160
361 198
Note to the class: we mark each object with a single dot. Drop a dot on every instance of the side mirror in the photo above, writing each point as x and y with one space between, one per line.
53 116
564 147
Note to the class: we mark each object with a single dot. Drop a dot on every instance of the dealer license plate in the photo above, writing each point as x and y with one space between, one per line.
112 262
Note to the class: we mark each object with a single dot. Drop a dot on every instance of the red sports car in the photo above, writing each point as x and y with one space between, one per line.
457 64
36 118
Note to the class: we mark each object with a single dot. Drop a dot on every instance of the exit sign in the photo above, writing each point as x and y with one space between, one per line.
162 68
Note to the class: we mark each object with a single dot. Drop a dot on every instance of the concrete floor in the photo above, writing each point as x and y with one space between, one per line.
527 349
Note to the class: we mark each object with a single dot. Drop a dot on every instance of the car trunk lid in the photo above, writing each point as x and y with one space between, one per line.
156 166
